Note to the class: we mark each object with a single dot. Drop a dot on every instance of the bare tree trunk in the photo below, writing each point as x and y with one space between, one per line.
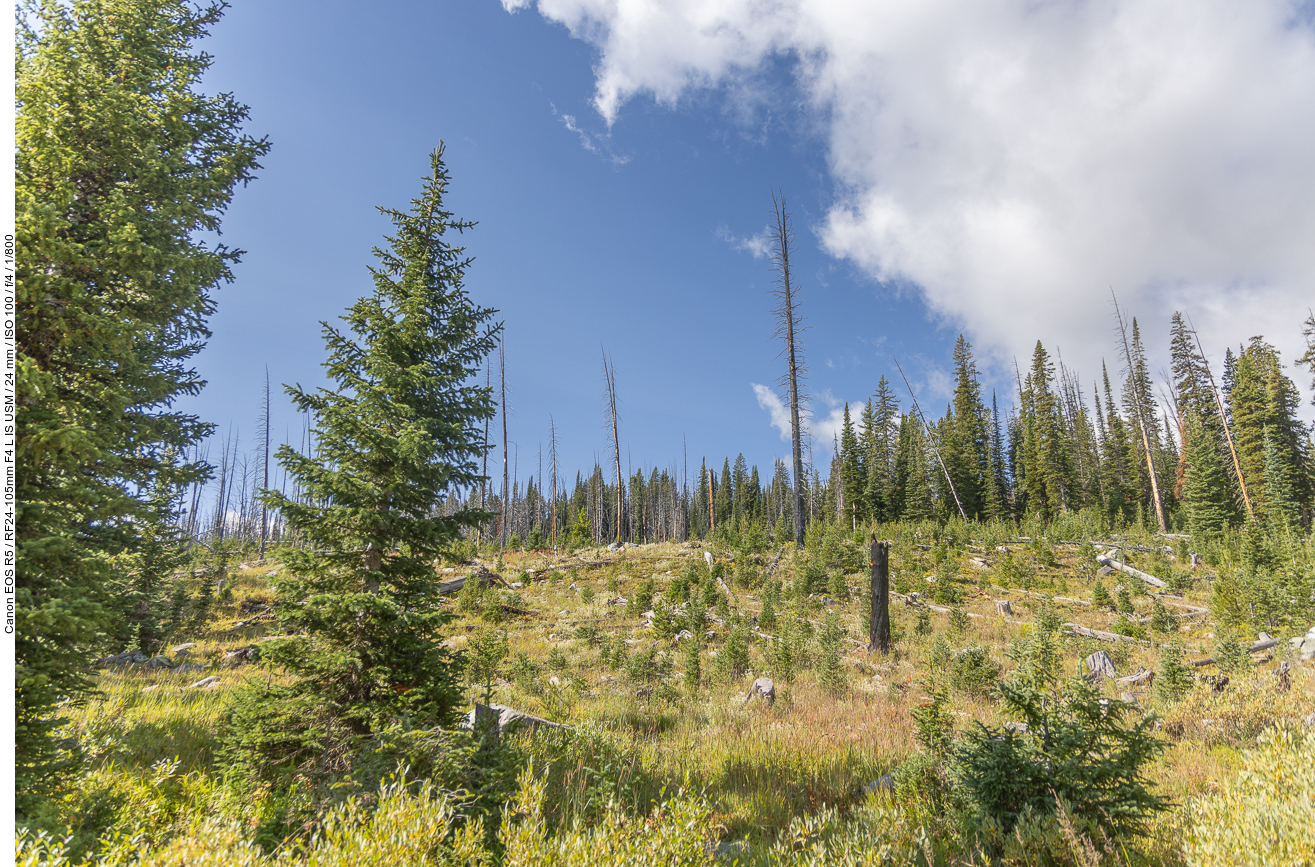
1137 400
553 464
787 323
484 471
1223 419
931 441
264 484
609 376
502 370
879 586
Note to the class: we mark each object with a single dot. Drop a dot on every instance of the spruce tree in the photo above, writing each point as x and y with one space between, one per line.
966 447
122 170
1206 497
1046 449
401 426
880 442
852 477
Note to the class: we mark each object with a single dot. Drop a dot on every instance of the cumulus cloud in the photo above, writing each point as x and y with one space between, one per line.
823 430
759 245
1015 160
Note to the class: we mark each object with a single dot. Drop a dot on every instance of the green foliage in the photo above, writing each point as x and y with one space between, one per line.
1077 749
1124 605
488 650
1230 656
830 670
1174 678
692 650
974 672
923 624
733 658
1100 597
1264 815
1162 621
402 426
767 617
122 169
959 620
934 725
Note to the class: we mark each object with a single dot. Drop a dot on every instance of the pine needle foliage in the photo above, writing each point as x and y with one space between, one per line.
401 427
122 170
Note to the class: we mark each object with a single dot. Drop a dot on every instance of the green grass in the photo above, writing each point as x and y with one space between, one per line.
782 778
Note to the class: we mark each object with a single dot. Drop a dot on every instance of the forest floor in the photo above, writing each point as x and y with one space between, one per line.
581 652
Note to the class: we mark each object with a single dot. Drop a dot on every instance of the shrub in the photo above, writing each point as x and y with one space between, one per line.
1266 814
974 672
1076 750
1173 678
831 673
923 625
733 659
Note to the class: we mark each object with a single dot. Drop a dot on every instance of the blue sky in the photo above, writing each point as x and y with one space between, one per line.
619 158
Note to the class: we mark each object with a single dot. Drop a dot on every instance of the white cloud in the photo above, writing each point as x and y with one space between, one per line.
1016 159
759 245
824 430
596 144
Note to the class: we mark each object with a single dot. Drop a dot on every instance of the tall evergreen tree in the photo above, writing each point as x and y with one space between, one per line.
880 443
1116 474
997 482
852 478
1046 450
965 447
1263 403
1147 447
402 424
913 483
1205 496
122 170
724 502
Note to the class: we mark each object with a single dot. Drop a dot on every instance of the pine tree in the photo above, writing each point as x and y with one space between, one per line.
852 475
1263 404
1116 474
1205 491
965 451
724 499
1139 404
401 427
997 483
912 480
122 170
1046 450
880 443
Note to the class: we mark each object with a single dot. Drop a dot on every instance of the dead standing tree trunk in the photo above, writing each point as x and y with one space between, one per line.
1138 400
787 326
879 623
264 483
502 375
609 376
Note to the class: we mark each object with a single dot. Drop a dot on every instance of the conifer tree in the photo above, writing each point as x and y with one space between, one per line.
724 493
1139 404
965 449
880 443
402 425
1205 491
913 482
1046 454
1116 474
1263 403
122 171
852 477
997 483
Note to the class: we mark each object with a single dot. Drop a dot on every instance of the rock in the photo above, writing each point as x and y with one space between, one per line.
683 634
554 681
185 669
1305 644
128 657
615 546
516 585
183 648
1127 698
914 597
764 689
1098 664
736 851
885 784
158 662
500 718
204 683
1020 727
1104 571
1003 608
826 600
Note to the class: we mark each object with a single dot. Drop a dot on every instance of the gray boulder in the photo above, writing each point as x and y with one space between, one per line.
500 718
1304 644
764 689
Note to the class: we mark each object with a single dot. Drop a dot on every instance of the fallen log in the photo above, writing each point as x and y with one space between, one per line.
1106 560
1264 643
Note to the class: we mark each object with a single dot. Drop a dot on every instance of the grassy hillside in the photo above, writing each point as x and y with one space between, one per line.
665 762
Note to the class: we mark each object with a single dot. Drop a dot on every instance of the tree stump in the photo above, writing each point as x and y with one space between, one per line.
879 585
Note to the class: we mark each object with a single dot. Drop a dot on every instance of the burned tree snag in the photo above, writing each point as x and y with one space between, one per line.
879 623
